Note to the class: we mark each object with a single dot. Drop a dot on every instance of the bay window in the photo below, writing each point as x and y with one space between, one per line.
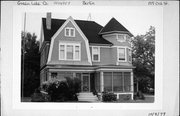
129 55
121 37
121 54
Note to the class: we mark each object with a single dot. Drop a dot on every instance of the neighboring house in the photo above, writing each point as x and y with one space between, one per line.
99 56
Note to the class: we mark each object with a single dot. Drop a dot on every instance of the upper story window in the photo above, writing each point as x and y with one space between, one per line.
69 32
121 54
129 55
128 39
96 54
69 51
121 38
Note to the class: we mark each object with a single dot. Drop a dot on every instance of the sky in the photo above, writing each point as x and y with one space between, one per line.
137 19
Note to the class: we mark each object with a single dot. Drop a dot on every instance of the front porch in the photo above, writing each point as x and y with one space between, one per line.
118 81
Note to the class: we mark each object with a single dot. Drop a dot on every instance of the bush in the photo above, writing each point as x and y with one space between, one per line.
139 95
108 97
62 90
39 97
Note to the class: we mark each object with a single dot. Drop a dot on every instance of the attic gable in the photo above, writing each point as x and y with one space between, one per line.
113 26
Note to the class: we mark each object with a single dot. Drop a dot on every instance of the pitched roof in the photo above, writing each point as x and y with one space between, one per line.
89 28
114 26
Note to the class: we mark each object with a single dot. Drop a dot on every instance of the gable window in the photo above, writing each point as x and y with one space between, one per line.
121 38
121 54
69 32
96 54
69 51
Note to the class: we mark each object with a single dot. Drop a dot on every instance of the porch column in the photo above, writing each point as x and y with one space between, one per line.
101 82
74 74
48 76
132 84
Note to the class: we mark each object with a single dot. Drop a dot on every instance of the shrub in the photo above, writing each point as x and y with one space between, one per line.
39 97
108 97
62 90
139 95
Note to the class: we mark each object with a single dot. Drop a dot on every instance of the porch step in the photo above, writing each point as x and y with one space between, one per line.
87 97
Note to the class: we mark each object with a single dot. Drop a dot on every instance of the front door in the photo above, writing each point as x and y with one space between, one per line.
85 82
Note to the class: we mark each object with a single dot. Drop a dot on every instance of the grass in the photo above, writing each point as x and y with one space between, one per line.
148 99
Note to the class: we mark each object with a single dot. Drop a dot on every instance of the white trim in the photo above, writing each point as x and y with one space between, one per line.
69 70
101 46
65 51
125 54
96 54
101 81
81 33
109 35
118 93
116 32
41 37
114 69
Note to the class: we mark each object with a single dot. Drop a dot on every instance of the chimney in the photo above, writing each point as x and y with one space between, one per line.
48 20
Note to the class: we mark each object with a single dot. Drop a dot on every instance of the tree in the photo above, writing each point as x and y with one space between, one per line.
144 59
30 63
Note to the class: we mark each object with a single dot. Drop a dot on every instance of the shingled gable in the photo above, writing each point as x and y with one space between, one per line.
113 26
89 28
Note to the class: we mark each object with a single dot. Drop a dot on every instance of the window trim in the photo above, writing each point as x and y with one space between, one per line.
96 54
69 34
124 40
65 51
125 51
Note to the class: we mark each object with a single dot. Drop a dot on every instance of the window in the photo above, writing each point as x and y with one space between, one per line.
96 54
129 55
117 81
128 39
54 75
62 51
77 53
127 81
121 54
69 32
69 51
108 81
121 38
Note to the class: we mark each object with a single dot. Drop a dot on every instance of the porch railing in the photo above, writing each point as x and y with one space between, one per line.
119 88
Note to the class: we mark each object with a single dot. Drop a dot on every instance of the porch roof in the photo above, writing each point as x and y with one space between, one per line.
88 67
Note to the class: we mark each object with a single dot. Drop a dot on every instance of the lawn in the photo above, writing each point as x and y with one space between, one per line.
148 99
